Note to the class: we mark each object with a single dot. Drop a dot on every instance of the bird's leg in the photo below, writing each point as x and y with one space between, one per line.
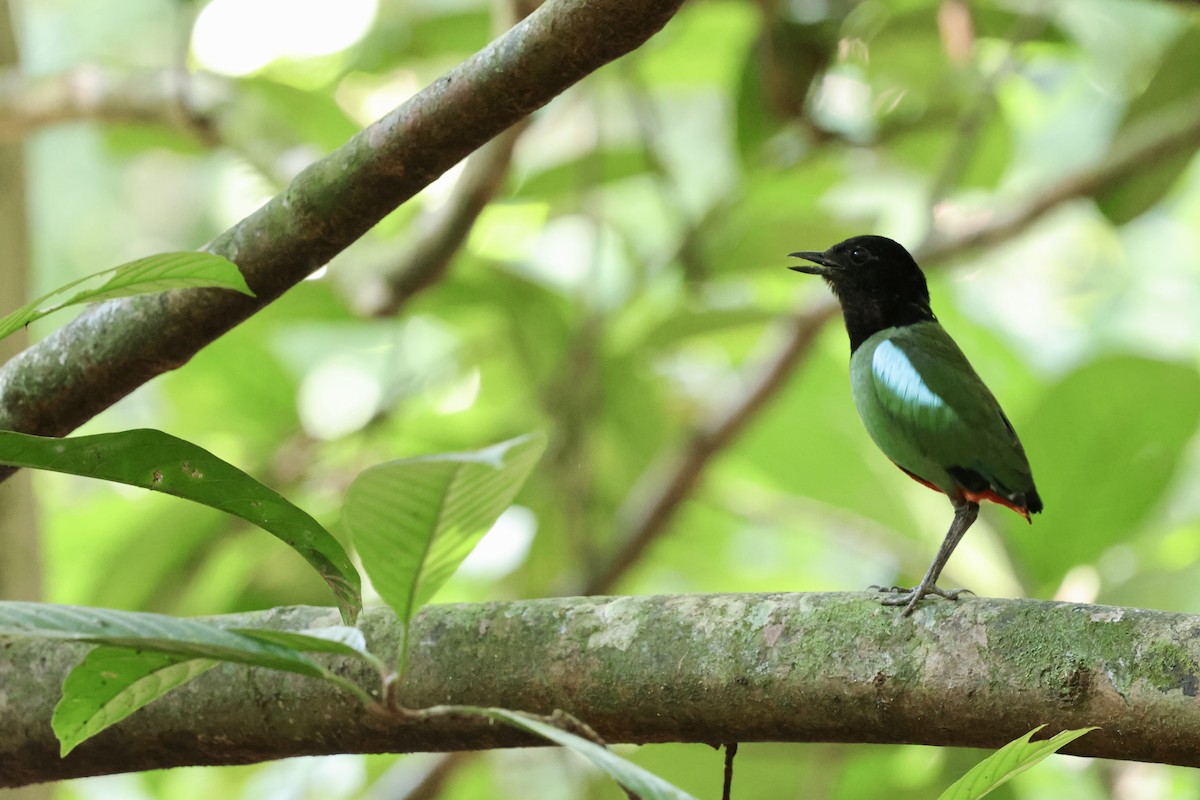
965 513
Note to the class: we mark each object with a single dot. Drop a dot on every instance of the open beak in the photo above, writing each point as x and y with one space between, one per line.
816 258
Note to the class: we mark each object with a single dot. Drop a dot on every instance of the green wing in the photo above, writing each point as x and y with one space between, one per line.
930 413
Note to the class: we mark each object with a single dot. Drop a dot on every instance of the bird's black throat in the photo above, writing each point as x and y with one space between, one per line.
867 314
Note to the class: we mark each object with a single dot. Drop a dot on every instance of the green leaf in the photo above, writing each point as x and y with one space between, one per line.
144 276
163 463
178 636
858 479
113 682
936 139
415 520
1174 85
990 153
562 179
1126 410
777 73
406 32
1012 759
143 656
722 31
687 323
338 640
272 117
772 214
163 272
906 51
631 777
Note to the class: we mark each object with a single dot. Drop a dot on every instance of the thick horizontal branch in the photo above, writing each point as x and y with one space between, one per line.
113 348
698 668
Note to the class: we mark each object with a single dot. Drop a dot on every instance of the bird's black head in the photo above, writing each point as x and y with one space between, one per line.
877 282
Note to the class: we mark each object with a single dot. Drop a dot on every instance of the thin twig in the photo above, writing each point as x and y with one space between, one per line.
445 231
731 749
984 107
29 103
431 783
196 104
689 253
646 514
1168 133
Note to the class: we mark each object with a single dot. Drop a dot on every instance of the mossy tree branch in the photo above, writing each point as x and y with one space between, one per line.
698 668
113 348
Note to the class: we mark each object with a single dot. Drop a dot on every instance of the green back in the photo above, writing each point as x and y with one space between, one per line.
928 410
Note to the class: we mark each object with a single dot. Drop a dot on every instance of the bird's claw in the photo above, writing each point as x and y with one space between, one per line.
910 597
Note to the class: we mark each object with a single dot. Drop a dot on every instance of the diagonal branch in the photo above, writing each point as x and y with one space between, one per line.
693 668
653 505
983 106
1173 131
444 233
113 348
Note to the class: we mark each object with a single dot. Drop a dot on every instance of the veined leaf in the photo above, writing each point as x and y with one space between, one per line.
177 636
631 777
415 520
1167 103
337 640
143 656
1010 760
113 682
1146 423
157 273
163 463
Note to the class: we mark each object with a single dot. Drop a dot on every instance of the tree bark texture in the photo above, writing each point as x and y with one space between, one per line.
114 347
691 668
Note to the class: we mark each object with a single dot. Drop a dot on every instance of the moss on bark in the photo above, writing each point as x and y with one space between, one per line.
692 668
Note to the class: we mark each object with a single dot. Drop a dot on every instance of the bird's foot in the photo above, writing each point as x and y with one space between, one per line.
910 597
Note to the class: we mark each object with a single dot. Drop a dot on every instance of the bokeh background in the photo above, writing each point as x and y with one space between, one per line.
625 290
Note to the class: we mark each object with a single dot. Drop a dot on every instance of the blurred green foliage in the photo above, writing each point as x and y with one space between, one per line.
625 285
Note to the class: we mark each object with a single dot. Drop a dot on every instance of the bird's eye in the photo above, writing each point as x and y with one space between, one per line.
859 255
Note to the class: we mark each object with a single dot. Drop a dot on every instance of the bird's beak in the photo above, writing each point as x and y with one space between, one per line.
816 258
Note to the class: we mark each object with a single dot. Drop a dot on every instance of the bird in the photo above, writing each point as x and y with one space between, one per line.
918 396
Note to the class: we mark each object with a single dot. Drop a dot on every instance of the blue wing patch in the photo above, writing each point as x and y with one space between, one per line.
893 369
